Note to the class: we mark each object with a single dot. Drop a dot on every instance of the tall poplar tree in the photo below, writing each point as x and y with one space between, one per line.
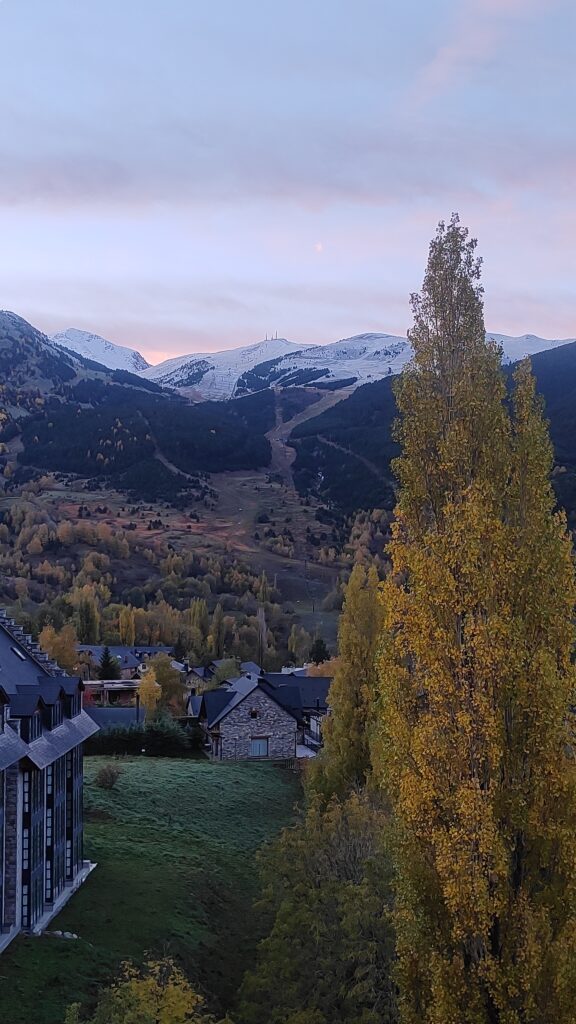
344 763
476 681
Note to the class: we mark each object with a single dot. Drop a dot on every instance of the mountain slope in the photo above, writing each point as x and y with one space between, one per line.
28 362
92 346
214 375
332 449
280 363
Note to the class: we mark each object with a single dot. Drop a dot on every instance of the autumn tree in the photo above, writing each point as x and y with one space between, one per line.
344 763
88 620
149 691
299 643
476 681
229 669
199 617
157 992
217 632
170 681
127 626
61 646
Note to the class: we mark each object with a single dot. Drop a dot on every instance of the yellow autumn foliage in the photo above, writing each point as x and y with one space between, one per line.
476 680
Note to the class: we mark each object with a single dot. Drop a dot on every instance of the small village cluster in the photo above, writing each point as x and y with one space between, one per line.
44 724
250 715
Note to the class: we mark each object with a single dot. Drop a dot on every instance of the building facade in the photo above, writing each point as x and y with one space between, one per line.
42 729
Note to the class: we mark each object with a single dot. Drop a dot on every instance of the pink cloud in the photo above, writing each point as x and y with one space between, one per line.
478 34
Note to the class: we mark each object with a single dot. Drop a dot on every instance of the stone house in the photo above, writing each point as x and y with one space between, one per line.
246 721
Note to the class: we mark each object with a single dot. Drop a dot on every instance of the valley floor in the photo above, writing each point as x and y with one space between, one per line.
175 844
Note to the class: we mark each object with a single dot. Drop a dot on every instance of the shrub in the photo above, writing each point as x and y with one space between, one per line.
108 776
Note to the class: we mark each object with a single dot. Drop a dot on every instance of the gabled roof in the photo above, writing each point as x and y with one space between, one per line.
313 690
250 668
53 744
29 680
217 704
214 701
127 657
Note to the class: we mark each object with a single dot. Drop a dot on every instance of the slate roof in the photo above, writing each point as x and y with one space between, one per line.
54 743
29 679
250 668
313 690
12 748
217 704
214 702
127 657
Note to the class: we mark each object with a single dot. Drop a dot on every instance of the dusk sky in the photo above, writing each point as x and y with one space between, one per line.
183 176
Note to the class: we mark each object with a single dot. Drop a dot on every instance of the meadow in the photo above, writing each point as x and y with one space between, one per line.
175 842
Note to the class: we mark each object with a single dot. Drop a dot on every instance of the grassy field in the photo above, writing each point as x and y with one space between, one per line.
175 843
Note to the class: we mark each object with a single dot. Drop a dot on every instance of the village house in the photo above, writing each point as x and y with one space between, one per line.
132 661
42 729
275 716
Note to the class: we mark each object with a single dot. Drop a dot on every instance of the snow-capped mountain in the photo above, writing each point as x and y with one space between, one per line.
357 360
214 375
92 346
525 345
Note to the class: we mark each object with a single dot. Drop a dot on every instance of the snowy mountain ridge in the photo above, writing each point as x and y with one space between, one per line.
214 375
92 346
357 360
233 372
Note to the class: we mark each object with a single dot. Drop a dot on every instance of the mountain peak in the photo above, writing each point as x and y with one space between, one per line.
92 346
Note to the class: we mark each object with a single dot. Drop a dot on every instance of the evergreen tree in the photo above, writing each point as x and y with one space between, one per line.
344 763
318 651
108 667
476 680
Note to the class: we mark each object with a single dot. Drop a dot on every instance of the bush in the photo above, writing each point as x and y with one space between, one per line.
108 776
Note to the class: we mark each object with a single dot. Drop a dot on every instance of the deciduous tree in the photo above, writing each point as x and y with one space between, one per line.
150 691
476 681
127 626
344 763
158 992
61 646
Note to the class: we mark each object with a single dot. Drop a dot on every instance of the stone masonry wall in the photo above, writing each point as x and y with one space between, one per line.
239 727
11 851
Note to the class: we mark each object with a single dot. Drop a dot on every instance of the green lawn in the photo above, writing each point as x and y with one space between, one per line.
175 844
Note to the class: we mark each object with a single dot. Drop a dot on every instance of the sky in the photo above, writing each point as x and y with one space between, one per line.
184 176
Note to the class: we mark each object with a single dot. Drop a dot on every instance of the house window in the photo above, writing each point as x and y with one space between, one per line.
254 713
259 746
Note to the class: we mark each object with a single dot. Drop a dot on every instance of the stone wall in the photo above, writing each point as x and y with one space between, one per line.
11 849
240 726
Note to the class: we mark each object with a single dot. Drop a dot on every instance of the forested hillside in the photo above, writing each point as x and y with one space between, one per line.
344 454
